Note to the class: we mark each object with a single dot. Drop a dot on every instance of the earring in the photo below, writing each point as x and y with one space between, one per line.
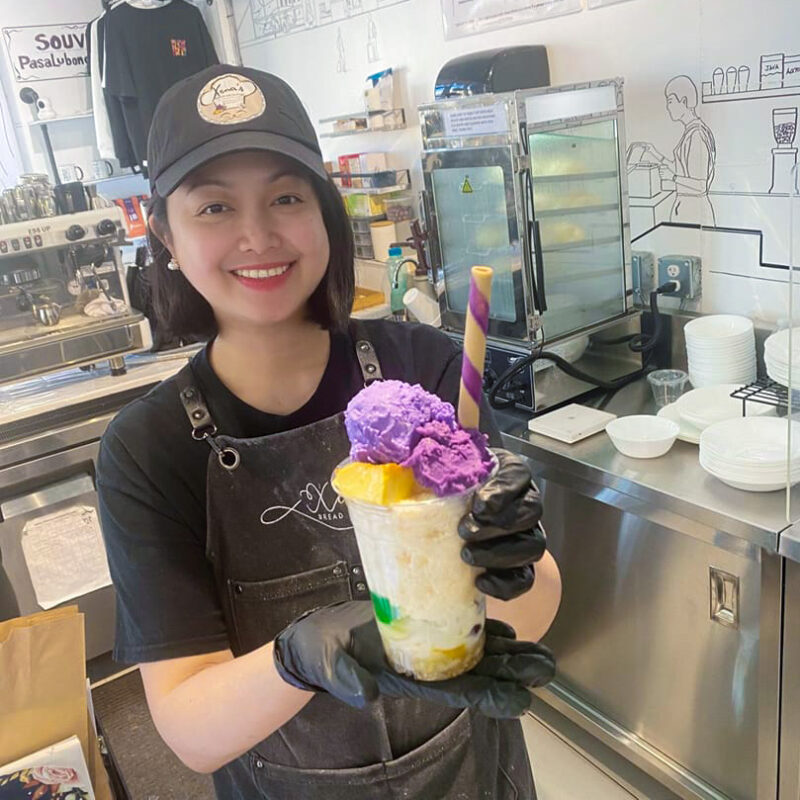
173 265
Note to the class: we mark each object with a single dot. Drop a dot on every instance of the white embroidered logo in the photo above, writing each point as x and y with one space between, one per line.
313 506
230 99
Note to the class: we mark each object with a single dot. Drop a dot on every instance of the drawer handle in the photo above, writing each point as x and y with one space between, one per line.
724 597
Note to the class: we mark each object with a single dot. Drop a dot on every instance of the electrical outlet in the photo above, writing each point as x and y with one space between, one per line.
643 271
686 270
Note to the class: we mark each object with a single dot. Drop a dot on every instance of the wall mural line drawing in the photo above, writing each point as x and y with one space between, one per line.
341 62
689 173
682 188
778 76
261 20
373 54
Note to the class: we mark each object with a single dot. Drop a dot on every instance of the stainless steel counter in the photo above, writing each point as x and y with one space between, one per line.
673 490
672 588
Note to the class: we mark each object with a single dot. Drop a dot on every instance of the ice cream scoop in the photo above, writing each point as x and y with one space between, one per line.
382 420
392 422
449 461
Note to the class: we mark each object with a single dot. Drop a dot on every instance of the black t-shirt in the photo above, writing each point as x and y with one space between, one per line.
147 51
151 481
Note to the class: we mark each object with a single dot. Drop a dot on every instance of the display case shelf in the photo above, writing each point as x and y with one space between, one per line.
559 248
568 212
575 176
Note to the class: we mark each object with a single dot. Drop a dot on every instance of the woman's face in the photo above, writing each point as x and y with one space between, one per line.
248 233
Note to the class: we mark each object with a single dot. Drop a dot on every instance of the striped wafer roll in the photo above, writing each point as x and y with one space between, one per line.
469 398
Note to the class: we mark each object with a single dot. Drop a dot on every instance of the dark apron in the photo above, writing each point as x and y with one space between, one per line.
281 543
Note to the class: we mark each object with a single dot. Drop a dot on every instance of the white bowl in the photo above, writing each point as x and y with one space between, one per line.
642 435
717 326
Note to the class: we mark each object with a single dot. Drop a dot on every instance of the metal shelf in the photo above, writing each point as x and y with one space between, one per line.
337 134
381 190
364 116
361 115
575 176
111 178
400 181
83 115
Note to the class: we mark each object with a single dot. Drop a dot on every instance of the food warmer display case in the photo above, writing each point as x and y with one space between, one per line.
532 184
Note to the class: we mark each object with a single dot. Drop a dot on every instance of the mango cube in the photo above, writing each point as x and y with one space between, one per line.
379 484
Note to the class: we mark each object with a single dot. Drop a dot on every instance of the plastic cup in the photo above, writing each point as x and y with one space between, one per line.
667 385
430 615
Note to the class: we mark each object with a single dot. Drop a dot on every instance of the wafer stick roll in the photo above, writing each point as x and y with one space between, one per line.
477 325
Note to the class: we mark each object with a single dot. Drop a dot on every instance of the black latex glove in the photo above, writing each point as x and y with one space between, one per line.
337 649
502 531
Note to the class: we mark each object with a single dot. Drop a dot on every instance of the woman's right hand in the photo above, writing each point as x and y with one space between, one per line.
337 649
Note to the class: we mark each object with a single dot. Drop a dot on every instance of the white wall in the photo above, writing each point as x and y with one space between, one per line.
645 41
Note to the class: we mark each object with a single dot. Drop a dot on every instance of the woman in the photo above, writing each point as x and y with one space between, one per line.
221 528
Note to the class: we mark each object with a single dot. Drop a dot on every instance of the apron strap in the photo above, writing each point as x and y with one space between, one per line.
194 405
205 429
203 426
367 357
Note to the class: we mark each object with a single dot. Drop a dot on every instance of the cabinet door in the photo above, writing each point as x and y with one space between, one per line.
474 204
577 225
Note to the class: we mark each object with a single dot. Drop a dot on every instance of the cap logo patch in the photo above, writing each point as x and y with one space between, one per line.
230 99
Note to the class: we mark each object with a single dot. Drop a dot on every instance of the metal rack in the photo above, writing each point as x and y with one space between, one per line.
766 392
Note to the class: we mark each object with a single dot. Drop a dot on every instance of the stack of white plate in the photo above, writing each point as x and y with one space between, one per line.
711 404
720 349
751 453
776 357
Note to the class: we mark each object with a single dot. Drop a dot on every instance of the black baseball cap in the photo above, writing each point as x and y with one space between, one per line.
226 109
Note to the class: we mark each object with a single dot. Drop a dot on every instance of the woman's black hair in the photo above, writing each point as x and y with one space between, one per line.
184 313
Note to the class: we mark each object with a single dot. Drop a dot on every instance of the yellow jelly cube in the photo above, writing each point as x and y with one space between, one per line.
381 484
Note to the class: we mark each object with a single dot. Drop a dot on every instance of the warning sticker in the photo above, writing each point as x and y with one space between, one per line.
466 187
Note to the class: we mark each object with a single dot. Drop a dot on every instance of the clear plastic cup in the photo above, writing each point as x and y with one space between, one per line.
430 614
667 385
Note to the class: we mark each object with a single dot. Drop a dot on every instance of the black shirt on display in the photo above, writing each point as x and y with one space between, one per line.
151 480
147 51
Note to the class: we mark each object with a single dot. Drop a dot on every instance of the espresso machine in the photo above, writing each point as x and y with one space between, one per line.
63 295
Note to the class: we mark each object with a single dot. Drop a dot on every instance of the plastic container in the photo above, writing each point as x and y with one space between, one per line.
667 385
398 279
364 205
399 207
430 614
381 235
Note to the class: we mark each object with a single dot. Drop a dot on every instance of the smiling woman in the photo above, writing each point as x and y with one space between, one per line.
275 191
234 562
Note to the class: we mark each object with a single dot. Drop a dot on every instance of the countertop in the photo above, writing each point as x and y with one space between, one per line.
673 490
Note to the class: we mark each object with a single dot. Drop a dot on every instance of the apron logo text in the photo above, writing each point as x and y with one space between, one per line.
314 507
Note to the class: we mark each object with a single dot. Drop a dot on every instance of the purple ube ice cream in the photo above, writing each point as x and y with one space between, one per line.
392 422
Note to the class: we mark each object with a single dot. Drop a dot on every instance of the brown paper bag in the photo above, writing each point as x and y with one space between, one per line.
97 769
42 682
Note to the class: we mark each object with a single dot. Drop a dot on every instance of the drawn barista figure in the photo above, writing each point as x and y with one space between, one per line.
691 169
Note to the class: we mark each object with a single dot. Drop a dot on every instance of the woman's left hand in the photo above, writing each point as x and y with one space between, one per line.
502 531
